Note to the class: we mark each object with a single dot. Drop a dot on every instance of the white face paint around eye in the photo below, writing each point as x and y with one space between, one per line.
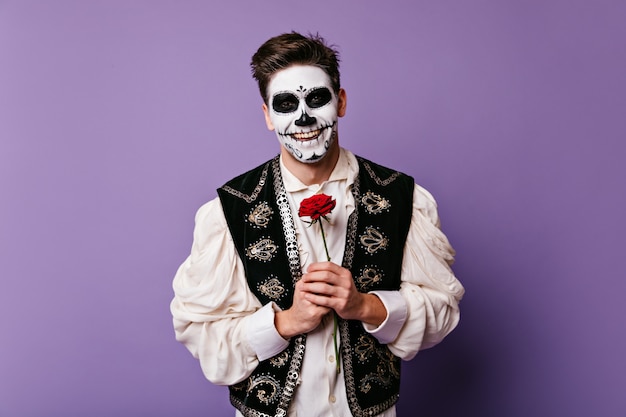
303 110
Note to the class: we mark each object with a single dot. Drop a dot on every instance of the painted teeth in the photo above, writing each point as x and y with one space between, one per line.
306 135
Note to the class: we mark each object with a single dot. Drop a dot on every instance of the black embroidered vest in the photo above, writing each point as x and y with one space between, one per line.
261 223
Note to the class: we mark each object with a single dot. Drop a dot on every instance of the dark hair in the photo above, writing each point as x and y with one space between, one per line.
293 48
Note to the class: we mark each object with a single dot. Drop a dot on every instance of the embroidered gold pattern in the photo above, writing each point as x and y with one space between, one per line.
263 250
272 287
384 182
260 215
267 388
365 348
374 203
369 277
386 371
280 360
373 240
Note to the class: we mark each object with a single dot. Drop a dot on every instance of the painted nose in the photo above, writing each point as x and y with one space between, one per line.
305 120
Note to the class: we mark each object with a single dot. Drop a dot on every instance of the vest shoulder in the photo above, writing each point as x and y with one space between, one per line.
381 174
247 181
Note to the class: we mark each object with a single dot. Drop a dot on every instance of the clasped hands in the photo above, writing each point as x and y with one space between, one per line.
325 287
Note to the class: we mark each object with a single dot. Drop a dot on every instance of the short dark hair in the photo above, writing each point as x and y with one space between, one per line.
288 49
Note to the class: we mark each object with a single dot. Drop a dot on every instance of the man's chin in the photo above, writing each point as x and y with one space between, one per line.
308 157
315 158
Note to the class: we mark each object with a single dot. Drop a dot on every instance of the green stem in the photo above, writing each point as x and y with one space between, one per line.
324 239
335 319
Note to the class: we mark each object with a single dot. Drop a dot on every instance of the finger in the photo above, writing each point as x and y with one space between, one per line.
319 288
319 276
315 304
320 300
324 266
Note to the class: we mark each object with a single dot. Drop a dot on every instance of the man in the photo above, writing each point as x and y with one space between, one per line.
258 301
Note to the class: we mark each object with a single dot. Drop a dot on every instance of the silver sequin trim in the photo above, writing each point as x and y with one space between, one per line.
293 257
289 228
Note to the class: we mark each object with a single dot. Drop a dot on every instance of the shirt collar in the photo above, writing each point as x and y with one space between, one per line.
345 169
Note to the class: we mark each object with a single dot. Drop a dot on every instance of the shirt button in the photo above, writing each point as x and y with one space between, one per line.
331 359
332 399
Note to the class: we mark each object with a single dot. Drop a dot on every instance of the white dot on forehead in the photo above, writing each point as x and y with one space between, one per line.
298 77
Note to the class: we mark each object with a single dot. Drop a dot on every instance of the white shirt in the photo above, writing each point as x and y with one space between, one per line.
224 325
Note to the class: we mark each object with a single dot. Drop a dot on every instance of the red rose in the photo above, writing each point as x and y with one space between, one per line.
316 206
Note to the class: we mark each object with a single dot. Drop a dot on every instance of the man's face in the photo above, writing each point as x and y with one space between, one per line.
303 111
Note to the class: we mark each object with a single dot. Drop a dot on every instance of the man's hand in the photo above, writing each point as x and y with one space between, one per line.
302 317
327 284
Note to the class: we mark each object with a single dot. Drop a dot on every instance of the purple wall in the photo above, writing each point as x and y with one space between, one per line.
118 119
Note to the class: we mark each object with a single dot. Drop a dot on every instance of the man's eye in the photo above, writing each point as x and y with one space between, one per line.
318 97
285 103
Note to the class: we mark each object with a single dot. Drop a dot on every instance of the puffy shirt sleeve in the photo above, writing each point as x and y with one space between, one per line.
212 304
430 289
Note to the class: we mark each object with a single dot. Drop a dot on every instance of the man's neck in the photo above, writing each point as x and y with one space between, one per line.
315 173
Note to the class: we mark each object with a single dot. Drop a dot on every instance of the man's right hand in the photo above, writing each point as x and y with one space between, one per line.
302 317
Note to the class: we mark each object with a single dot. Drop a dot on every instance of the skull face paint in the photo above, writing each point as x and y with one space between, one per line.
303 111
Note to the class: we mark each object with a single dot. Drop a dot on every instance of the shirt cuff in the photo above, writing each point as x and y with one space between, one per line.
262 334
396 307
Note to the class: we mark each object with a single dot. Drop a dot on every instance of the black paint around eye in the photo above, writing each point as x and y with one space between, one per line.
318 97
285 103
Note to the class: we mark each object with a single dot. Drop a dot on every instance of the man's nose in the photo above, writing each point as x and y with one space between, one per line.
305 120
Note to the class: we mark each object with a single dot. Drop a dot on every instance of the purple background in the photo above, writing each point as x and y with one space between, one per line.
118 119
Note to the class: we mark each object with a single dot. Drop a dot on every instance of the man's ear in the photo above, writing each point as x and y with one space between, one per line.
342 102
268 121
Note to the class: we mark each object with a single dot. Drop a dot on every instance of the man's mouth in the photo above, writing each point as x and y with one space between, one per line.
310 135
306 135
